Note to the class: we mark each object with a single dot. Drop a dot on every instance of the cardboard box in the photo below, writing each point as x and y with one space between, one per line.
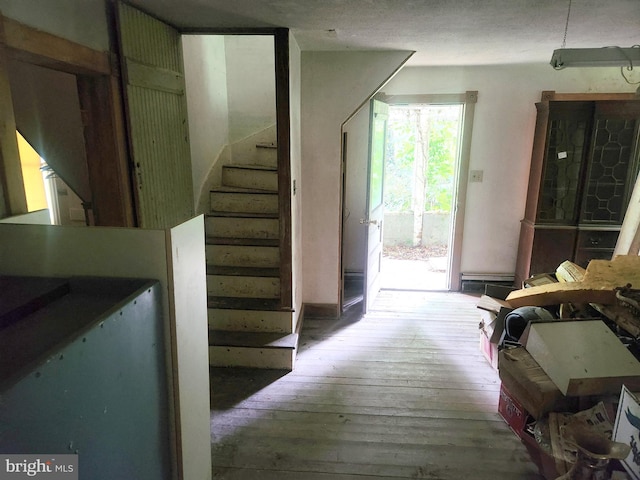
489 350
529 384
512 411
492 313
582 357
544 461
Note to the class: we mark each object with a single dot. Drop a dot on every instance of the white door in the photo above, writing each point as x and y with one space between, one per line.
375 204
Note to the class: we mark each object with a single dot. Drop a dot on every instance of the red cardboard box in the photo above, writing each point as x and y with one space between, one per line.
544 461
512 411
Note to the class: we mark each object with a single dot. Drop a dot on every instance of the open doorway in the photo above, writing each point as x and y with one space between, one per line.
446 266
50 200
421 164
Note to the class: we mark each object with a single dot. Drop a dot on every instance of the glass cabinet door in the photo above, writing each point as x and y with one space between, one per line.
612 164
566 149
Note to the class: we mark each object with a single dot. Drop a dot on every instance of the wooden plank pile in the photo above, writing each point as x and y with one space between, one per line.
577 362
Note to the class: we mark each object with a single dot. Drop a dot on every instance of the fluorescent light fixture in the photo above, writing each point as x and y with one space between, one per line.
595 57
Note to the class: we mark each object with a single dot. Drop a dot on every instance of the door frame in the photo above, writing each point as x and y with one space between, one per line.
468 101
283 134
99 93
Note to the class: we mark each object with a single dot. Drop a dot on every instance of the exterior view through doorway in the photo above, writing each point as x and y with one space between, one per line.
423 142
435 225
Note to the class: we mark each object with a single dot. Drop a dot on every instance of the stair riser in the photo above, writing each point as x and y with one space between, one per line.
243 287
244 202
262 228
246 178
251 151
243 256
267 157
275 358
250 321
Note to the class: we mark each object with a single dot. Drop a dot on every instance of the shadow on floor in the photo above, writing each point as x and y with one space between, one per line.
329 326
230 386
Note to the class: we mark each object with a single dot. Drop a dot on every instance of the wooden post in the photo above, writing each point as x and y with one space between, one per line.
14 200
629 238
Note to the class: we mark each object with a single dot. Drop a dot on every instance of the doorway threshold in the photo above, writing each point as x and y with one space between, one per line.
417 275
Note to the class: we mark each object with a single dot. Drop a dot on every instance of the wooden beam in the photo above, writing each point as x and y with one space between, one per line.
105 144
34 46
551 96
156 78
283 120
225 31
436 98
15 200
598 285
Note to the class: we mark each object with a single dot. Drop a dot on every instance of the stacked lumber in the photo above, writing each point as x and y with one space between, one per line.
597 286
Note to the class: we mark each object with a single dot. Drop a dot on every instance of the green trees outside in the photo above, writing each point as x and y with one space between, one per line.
422 144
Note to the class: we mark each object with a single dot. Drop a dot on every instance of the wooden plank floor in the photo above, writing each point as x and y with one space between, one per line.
401 393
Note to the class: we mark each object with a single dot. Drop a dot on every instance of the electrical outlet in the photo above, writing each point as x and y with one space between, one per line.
475 175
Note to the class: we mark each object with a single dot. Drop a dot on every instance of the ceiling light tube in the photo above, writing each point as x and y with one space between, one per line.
595 57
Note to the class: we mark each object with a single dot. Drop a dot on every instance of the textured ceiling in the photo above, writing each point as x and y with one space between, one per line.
442 32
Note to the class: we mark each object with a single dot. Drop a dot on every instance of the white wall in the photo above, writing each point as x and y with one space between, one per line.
207 103
81 21
296 160
334 85
250 84
501 145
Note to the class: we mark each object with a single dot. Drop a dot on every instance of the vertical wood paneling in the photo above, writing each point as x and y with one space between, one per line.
157 121
148 40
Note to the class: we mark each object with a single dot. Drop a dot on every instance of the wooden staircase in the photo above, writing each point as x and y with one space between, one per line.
247 327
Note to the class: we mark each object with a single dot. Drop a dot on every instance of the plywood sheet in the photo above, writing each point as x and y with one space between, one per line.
583 357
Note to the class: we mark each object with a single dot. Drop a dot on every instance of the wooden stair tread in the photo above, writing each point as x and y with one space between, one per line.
224 338
241 303
218 213
243 242
243 271
242 166
228 189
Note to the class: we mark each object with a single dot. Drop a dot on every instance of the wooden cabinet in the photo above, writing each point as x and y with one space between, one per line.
583 166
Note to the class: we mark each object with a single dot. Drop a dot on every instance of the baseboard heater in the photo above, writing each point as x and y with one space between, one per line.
475 282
